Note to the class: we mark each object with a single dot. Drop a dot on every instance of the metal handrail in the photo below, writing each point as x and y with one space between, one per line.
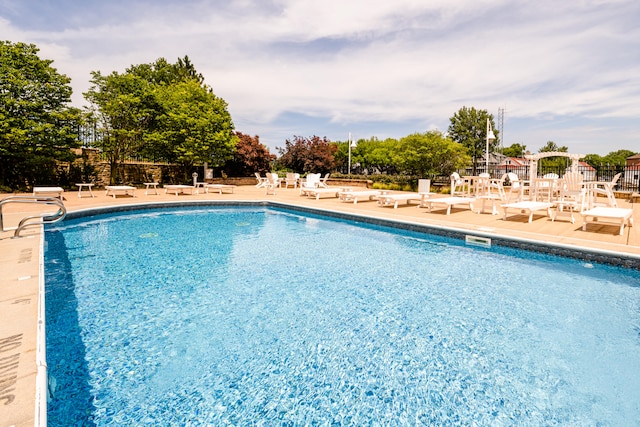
29 221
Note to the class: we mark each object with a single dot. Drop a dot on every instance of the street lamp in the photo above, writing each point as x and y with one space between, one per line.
352 144
490 137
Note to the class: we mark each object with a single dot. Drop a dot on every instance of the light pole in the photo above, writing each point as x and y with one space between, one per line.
352 144
490 137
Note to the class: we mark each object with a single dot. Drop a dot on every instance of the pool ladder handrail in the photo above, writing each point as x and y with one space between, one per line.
34 220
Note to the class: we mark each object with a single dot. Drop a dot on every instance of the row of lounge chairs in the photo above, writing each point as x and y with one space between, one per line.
555 196
128 190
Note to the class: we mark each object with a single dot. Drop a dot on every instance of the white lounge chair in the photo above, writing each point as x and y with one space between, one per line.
529 207
356 195
320 191
616 215
389 199
448 202
219 188
48 191
180 189
311 182
114 190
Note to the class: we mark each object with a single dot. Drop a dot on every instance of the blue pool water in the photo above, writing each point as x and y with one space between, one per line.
255 316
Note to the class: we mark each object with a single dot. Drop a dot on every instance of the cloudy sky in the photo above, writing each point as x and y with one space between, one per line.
563 71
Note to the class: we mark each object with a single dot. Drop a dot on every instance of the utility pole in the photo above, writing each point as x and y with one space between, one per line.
501 127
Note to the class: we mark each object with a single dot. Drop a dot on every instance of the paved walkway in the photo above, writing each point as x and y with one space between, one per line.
20 266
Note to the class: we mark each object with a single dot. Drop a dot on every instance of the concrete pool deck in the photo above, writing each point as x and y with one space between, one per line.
21 269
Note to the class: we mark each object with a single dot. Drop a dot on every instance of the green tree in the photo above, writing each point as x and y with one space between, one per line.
429 154
373 156
553 164
37 127
469 127
194 124
163 111
122 108
617 158
514 150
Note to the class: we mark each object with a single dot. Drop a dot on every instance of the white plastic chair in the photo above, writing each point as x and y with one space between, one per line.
311 182
516 187
272 182
323 181
458 185
261 180
604 189
291 179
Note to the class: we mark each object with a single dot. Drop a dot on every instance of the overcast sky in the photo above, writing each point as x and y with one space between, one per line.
564 71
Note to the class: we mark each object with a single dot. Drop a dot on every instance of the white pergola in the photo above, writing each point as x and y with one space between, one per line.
533 161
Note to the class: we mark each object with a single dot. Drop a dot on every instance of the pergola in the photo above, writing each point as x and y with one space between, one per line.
533 161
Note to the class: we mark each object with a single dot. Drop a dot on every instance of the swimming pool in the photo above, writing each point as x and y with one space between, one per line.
258 316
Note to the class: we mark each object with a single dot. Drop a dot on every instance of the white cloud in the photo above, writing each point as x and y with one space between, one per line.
376 65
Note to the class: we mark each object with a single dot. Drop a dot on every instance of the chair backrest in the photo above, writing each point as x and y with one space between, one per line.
271 179
258 176
513 179
455 182
424 186
615 179
550 176
573 181
326 177
313 179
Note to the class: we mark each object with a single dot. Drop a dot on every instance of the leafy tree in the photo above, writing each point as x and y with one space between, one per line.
617 158
163 111
314 155
249 157
37 127
429 154
122 107
368 156
594 160
469 127
514 150
194 124
551 147
553 164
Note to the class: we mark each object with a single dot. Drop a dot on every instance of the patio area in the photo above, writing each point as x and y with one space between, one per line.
22 270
